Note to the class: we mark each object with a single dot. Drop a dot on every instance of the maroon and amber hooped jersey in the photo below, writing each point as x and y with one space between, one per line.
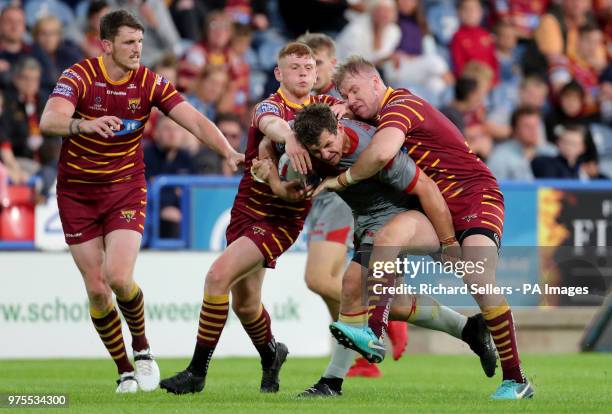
88 159
257 199
440 150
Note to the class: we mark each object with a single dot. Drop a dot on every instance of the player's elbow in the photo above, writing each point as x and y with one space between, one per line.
424 187
45 124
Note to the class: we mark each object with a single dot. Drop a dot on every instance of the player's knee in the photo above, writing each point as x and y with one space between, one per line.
390 236
99 295
122 285
246 311
314 283
217 278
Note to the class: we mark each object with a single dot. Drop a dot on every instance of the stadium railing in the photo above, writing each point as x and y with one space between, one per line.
189 183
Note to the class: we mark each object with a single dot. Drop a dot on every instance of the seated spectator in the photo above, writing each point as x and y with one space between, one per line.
212 50
508 54
605 96
374 36
12 45
532 91
24 103
523 15
589 168
165 156
466 112
52 52
209 90
585 66
165 67
571 145
239 69
92 44
568 110
471 41
416 64
209 162
557 34
467 99
511 159
8 164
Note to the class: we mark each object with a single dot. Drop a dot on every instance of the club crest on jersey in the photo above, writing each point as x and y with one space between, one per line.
128 215
258 230
134 104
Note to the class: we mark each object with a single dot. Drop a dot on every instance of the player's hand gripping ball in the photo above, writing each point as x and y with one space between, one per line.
287 173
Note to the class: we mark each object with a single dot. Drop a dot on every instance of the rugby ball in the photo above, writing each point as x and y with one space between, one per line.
287 173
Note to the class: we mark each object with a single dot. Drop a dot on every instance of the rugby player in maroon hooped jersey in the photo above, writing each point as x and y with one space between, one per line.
100 107
262 227
469 189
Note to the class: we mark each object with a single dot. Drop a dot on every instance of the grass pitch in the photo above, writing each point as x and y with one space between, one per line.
416 384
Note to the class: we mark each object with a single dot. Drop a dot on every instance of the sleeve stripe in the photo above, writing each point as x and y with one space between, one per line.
152 90
393 121
425 154
416 102
85 116
414 181
398 114
92 68
144 77
78 65
169 96
421 118
70 80
166 88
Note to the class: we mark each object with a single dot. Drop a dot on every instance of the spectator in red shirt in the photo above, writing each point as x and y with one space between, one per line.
472 42
212 50
523 15
584 66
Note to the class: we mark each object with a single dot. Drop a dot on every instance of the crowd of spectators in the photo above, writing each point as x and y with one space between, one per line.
528 82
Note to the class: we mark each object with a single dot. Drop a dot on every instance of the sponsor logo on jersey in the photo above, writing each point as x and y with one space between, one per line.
100 84
160 80
132 86
63 89
267 108
128 215
69 73
470 217
97 106
120 93
258 230
128 126
134 104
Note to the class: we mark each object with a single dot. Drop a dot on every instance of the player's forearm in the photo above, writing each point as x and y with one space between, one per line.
371 161
211 136
266 150
435 208
57 123
275 128
384 147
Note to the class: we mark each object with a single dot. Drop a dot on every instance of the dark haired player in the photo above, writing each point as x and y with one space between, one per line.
100 106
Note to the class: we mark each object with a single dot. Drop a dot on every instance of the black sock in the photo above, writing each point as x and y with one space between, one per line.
334 384
200 360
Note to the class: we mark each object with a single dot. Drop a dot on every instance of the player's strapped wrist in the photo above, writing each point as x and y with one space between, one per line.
345 179
449 241
74 127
